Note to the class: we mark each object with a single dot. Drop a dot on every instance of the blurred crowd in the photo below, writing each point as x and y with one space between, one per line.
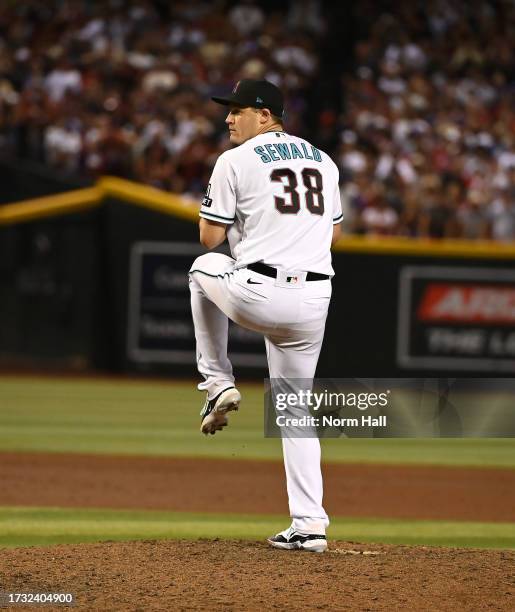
123 87
423 132
427 136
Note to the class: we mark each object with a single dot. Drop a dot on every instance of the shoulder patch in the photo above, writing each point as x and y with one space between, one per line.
207 201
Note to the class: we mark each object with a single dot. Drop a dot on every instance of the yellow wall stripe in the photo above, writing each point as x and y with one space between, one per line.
49 206
172 204
395 245
149 197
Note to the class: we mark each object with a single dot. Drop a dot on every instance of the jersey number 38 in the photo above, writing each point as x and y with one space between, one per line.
312 180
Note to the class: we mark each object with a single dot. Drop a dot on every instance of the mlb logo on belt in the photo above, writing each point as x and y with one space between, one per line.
292 279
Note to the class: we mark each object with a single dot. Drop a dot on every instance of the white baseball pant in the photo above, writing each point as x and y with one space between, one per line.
292 318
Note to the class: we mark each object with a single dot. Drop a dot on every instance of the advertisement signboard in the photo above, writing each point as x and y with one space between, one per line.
456 318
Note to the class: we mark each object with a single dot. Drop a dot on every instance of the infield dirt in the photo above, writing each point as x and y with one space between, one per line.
218 485
231 576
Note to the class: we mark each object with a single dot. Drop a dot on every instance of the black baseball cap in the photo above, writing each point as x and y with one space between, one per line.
256 94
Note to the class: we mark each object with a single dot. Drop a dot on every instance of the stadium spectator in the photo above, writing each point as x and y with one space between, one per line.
430 112
123 88
428 115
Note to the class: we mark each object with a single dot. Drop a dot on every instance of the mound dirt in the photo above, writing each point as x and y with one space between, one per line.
235 576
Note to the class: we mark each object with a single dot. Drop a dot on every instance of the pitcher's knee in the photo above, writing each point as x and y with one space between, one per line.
202 261
213 264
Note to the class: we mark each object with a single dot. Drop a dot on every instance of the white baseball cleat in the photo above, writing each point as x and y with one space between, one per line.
214 411
291 539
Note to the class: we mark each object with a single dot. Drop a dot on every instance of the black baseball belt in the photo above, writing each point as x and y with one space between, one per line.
262 268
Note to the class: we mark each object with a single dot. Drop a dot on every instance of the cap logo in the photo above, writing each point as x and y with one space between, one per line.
236 87
260 100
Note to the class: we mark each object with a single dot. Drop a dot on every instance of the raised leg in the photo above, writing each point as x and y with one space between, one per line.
208 303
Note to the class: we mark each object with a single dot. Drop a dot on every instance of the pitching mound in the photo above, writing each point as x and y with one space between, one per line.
231 576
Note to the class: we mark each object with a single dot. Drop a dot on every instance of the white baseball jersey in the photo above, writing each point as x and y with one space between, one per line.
279 194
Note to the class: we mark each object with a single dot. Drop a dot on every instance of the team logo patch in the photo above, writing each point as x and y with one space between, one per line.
207 201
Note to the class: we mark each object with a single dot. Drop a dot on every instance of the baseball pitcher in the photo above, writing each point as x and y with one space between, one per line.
275 197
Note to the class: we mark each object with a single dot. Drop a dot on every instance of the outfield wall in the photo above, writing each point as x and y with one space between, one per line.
97 278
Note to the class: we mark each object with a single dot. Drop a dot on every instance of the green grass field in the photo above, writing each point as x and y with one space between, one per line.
161 418
43 526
